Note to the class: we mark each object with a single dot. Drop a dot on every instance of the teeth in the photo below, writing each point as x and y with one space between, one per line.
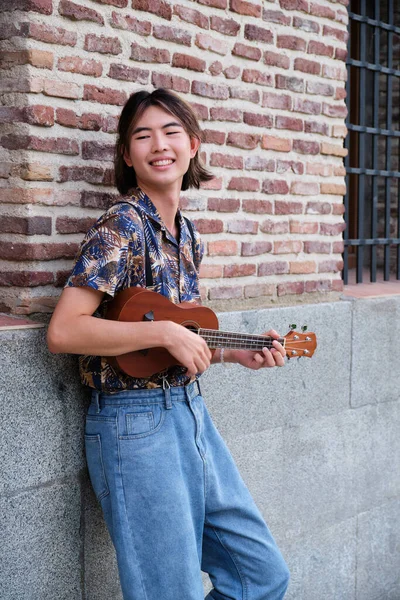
161 163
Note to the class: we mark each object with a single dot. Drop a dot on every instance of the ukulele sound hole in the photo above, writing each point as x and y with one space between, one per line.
192 326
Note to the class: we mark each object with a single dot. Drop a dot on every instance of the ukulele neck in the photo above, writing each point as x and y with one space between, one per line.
238 341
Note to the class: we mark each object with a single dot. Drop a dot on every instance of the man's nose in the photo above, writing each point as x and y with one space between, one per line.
159 142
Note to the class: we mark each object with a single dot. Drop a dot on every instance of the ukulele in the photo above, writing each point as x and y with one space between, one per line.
139 304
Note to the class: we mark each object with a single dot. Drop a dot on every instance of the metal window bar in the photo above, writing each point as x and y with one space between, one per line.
363 240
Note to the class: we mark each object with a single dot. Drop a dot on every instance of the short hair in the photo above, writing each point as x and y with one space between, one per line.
125 177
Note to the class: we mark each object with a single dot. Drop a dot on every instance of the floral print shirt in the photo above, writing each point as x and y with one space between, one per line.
112 258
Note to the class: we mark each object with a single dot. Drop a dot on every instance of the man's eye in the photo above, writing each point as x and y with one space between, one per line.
142 137
172 132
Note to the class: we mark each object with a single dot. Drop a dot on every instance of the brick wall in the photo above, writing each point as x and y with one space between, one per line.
267 81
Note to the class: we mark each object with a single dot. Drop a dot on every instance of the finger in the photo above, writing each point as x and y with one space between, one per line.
268 357
279 347
272 333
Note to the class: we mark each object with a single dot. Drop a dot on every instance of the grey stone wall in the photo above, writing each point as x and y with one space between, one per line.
318 444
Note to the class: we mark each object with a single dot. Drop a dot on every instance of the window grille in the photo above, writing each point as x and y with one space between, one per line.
372 202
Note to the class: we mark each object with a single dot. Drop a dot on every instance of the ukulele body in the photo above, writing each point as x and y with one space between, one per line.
137 304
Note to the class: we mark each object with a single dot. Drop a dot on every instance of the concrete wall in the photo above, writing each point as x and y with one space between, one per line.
317 443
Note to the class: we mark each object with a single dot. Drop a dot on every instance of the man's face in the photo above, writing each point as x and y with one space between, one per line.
160 150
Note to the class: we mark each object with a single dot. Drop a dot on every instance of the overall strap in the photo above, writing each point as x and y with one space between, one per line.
190 227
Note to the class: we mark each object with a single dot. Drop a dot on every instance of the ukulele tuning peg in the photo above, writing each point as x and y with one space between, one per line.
304 328
292 326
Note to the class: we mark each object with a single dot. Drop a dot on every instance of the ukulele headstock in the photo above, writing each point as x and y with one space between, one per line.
300 344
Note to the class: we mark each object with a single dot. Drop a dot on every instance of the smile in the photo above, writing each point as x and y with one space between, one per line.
162 163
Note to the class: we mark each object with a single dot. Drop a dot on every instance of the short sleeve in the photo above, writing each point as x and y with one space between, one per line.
103 259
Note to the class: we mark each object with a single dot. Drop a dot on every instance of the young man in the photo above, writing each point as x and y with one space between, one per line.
171 495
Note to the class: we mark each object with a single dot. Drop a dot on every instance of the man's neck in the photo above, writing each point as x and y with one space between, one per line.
166 202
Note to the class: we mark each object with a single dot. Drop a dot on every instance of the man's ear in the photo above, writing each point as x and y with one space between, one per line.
126 157
194 146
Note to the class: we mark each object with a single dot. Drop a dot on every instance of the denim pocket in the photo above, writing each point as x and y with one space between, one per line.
140 421
94 458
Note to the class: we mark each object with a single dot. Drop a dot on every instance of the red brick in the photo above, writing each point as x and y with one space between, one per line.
245 8
290 288
216 68
117 3
337 285
304 188
257 163
318 208
301 5
275 186
226 160
61 89
185 61
76 12
321 11
244 94
316 127
225 26
22 252
211 271
9 114
26 225
215 3
270 142
309 227
302 267
244 184
341 54
102 200
129 23
29 196
307 66
104 95
75 64
330 266
214 184
258 289
158 7
246 141
200 110
102 44
338 247
190 15
276 16
307 106
277 267
291 42
172 34
210 136
97 151
333 149
340 93
333 188
143 54
338 73
209 225
232 72
45 7
284 207
207 42
258 34
338 209
283 166
225 292
222 248
320 49
243 226
306 147
93 175
39 115
271 226
288 123
90 122
54 145
246 52
172 82
128 73
254 76
26 278
255 248
319 88
306 25
36 58
74 225
258 120
332 228
339 34
322 285
294 84
257 206
275 59
36 172
210 90
48 34
239 270
317 247
334 111
226 114
282 101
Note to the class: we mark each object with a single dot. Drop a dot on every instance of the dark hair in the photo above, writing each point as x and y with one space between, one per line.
125 177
